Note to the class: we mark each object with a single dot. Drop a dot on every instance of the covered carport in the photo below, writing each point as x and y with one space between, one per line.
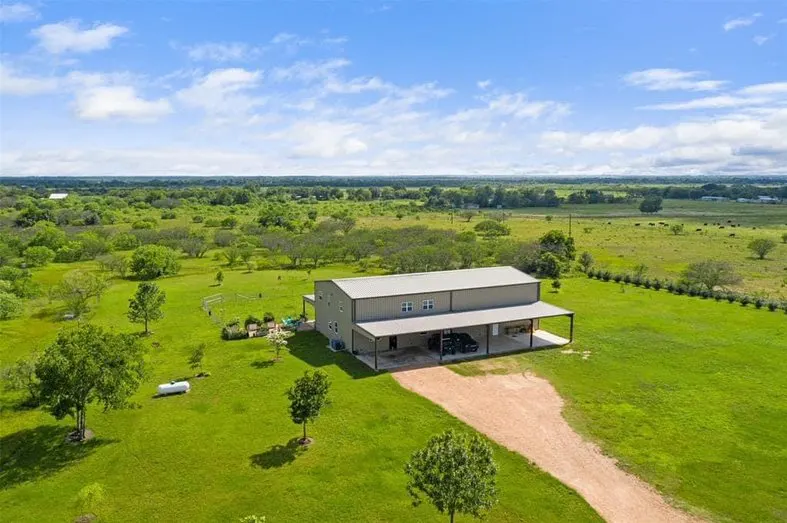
501 330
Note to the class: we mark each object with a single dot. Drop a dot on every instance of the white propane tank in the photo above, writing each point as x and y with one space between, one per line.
173 387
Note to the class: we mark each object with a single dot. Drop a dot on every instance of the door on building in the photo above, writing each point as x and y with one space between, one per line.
392 342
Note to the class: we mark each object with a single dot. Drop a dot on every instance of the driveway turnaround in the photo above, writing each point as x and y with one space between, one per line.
522 412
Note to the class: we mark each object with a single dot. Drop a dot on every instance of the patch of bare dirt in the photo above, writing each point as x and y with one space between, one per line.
522 412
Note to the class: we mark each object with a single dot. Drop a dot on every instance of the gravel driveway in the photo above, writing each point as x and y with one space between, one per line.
523 413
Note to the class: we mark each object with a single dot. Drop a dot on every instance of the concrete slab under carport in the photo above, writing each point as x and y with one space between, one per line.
419 356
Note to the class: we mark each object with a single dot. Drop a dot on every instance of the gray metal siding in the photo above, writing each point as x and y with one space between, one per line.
325 313
390 307
467 300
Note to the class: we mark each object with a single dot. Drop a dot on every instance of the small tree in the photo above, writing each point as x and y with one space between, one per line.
556 285
784 237
196 359
586 261
278 338
10 306
232 254
21 376
492 229
219 278
87 364
307 397
677 228
38 256
761 247
146 304
456 473
640 270
77 288
710 274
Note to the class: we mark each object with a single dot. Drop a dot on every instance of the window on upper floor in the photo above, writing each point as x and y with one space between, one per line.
341 306
319 295
427 305
407 306
330 295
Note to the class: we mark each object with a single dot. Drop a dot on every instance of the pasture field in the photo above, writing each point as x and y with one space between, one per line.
227 449
609 232
688 394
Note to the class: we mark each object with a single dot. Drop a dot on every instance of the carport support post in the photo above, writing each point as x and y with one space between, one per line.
487 339
375 354
532 329
571 329
441 344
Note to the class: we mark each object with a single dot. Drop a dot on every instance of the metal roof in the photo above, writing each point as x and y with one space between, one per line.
455 320
426 282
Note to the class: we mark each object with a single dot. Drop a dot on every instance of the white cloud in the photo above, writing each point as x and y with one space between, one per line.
671 79
519 106
324 139
221 51
67 36
710 102
118 102
765 89
13 83
223 92
760 39
335 40
740 22
783 21
18 12
309 71
484 84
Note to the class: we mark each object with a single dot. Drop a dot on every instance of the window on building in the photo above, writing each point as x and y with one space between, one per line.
427 305
341 306
319 295
330 295
330 325
407 306
336 327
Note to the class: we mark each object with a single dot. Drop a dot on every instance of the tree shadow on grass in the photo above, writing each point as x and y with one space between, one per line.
263 364
311 348
33 454
278 455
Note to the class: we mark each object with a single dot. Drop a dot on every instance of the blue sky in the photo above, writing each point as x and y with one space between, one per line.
464 87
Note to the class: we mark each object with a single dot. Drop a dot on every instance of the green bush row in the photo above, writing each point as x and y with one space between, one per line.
681 288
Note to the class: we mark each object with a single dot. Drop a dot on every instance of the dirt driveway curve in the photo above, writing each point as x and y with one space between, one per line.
523 413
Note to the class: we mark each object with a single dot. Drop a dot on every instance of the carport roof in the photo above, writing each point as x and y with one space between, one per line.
455 320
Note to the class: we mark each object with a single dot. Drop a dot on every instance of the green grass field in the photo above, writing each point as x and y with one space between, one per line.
689 394
227 448
609 233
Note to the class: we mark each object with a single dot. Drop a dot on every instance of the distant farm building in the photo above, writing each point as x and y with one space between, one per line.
713 199
58 196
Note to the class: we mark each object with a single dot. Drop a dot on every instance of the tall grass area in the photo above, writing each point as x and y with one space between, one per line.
688 394
227 449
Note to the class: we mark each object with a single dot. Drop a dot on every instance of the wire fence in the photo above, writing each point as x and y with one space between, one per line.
221 308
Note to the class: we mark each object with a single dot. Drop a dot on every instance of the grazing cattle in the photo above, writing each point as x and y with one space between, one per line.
754 228
705 224
697 230
732 235
721 226
609 223
652 224
636 225
729 221
662 223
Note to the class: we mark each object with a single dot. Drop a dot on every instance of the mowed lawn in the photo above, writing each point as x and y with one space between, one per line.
227 448
689 394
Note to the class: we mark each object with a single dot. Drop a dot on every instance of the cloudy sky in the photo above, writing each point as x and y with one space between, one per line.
346 87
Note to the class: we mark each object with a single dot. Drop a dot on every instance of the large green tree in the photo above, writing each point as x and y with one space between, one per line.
307 398
145 305
85 365
456 473
651 204
153 261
